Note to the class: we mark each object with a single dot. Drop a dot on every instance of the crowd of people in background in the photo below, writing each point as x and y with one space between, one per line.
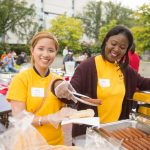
9 59
68 55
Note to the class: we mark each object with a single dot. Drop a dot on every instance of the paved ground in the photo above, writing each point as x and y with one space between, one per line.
58 62
144 69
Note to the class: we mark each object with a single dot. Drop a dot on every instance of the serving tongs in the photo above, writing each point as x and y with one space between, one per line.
79 97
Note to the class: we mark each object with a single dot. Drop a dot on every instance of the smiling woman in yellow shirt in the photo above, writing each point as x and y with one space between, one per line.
30 89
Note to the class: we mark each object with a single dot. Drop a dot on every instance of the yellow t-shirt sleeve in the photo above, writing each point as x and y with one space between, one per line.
17 90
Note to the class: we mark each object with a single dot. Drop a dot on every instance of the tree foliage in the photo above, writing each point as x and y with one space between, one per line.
92 19
115 11
98 14
68 31
142 30
106 28
15 16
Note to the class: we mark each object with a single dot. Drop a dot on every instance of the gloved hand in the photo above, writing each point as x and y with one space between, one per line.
64 89
57 117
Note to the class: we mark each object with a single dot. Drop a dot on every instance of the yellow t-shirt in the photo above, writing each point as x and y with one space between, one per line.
110 89
29 87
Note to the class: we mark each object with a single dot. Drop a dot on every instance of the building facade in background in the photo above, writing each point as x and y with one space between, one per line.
47 10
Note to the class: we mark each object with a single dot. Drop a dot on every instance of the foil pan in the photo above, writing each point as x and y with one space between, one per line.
125 124
122 125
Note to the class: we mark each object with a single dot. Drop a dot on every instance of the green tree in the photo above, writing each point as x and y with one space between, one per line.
27 31
141 31
68 31
98 14
115 11
105 29
14 15
92 19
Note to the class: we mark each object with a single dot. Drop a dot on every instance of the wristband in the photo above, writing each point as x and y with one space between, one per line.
40 121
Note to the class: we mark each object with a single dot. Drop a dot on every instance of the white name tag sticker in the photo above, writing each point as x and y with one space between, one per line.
104 82
37 92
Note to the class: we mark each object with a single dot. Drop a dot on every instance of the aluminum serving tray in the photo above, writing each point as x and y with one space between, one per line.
125 124
121 125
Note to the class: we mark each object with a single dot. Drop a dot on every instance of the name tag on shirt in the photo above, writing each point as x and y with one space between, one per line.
104 82
37 92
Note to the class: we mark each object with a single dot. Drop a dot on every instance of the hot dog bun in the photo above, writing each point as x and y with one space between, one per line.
83 113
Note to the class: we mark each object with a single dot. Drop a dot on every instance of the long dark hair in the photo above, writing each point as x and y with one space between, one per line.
132 49
115 31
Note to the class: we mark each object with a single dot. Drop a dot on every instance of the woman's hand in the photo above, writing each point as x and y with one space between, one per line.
57 117
64 90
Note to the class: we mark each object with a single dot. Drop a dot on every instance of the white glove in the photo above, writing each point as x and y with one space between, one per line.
57 117
64 90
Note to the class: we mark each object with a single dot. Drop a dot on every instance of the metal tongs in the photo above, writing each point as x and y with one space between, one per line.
79 97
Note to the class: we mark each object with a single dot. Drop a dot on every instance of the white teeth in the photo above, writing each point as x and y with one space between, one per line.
45 60
113 54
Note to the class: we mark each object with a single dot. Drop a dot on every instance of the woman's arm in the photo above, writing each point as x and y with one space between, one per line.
17 107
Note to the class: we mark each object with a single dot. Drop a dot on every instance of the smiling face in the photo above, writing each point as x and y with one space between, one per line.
116 47
44 53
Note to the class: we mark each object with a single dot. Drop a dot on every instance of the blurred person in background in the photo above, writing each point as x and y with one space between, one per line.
134 59
8 62
68 57
14 55
3 56
65 51
1 64
22 58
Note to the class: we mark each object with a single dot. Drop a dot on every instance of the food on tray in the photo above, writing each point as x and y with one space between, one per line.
133 138
83 113
91 100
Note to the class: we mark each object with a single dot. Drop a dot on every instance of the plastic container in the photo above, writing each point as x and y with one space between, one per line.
70 67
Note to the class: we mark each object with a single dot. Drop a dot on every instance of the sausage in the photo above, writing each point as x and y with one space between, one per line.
119 133
145 141
148 138
131 143
127 136
142 143
114 134
138 145
127 146
128 130
139 132
93 101
105 132
134 131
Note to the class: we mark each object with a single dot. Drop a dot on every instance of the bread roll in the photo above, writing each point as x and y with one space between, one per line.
83 113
